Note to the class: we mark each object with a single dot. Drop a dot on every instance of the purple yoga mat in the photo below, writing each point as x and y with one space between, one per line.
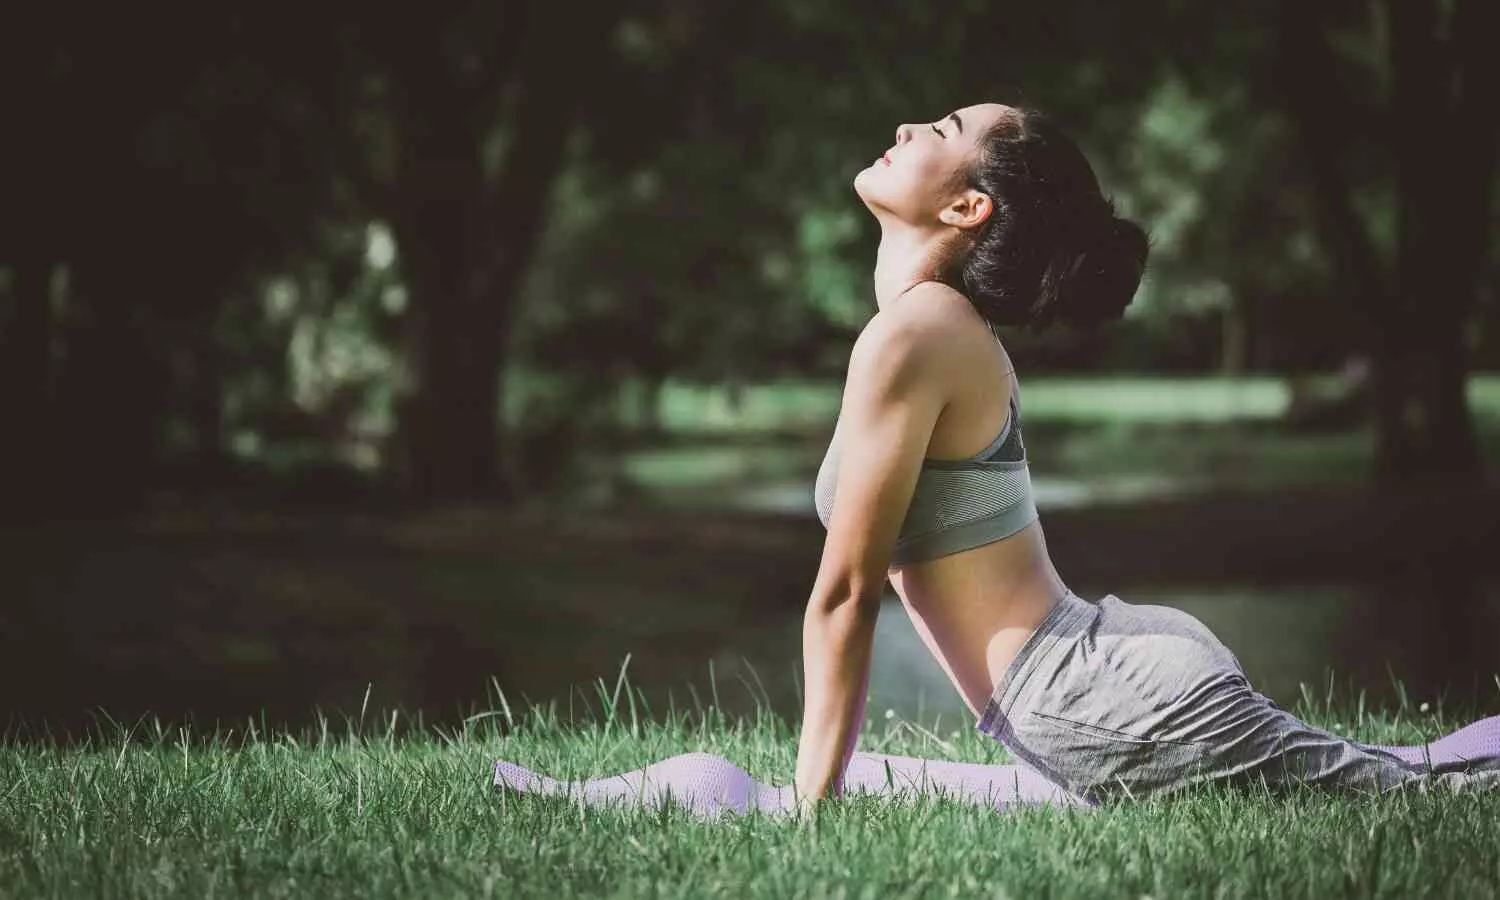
708 785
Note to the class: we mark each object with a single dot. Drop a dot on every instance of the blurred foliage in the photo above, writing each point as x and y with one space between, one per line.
443 249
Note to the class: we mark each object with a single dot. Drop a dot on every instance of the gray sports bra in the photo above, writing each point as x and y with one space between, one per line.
958 504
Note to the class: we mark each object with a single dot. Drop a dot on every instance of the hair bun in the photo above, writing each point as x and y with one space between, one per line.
1053 251
1104 276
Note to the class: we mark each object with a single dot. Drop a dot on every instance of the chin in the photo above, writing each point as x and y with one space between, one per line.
871 200
862 186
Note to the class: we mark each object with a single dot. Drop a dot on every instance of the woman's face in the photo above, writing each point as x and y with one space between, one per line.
916 181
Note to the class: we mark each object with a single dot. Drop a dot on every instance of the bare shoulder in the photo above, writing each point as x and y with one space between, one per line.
928 327
928 312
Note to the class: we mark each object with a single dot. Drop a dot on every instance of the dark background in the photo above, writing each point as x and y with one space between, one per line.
465 349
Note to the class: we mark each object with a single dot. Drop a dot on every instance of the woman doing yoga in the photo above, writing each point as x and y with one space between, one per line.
991 217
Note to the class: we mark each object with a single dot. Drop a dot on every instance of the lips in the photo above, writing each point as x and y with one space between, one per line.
886 157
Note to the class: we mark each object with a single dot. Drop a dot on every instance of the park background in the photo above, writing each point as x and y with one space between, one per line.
472 354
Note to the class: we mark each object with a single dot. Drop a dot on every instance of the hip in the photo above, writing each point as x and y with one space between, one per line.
1117 691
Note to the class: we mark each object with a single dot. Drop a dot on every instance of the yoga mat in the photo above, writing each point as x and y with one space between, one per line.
708 785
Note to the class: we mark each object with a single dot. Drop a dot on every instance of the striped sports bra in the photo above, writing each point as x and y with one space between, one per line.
958 504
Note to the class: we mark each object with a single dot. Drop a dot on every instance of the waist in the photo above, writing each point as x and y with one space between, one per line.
1067 618
976 609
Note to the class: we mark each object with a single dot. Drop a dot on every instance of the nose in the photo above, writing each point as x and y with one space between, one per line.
903 134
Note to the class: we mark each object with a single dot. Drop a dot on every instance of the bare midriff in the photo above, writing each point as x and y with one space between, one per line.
975 609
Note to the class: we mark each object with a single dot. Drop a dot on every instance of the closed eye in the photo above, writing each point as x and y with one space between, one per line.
935 128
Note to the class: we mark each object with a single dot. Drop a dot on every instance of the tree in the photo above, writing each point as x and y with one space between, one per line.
456 124
1438 122
146 176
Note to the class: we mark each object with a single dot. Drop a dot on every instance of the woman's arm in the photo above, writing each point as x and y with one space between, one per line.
837 645
892 398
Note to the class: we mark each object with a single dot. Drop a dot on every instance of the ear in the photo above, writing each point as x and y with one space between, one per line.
969 209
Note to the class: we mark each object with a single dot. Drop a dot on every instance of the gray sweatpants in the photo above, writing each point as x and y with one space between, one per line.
1115 700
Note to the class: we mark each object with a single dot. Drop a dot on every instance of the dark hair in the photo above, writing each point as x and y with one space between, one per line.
1052 250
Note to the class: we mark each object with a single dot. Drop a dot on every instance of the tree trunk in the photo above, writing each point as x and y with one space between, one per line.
1423 430
451 422
1236 341
1445 148
466 242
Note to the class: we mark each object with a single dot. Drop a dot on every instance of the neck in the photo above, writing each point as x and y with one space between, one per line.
906 258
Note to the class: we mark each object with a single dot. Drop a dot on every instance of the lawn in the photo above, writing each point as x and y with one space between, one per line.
379 806
373 808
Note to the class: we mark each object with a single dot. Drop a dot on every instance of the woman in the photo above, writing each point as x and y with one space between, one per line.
992 217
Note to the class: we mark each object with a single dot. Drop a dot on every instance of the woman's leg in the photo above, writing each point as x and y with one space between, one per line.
1244 736
1125 700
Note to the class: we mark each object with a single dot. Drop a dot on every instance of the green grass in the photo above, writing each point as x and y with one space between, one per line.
378 810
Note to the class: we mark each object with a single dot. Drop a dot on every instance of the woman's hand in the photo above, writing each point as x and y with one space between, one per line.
808 808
